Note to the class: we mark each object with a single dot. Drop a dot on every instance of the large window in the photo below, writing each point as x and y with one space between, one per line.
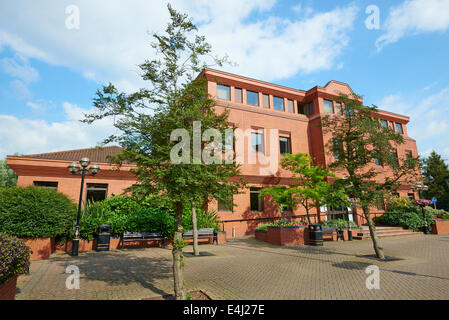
266 101
256 202
290 107
225 206
328 107
338 108
278 103
46 184
284 145
302 108
399 128
96 191
384 123
257 142
252 98
238 97
223 92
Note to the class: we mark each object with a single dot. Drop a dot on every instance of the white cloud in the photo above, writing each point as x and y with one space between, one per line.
19 67
28 136
414 16
113 36
429 119
20 90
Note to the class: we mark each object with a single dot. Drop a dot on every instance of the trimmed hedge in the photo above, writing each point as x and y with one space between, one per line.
338 223
35 212
123 213
14 257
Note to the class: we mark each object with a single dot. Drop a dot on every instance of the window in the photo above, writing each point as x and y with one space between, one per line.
376 158
399 128
256 202
408 154
278 103
336 149
380 204
266 101
290 106
411 196
302 108
225 206
348 111
46 184
383 123
338 108
238 97
223 92
96 191
391 125
257 142
311 111
252 98
394 157
284 145
328 107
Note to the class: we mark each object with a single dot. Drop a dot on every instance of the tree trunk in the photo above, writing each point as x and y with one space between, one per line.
376 244
196 250
178 258
307 213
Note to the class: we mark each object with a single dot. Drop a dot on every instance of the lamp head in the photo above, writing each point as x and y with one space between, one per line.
84 162
73 167
94 169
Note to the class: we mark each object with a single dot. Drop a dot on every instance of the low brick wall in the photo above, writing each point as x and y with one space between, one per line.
440 226
286 236
42 248
333 237
8 289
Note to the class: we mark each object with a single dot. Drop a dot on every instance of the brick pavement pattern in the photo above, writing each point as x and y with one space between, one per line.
251 269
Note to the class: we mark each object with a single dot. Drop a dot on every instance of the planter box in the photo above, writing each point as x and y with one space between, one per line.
84 245
221 237
42 247
287 236
261 235
440 226
8 289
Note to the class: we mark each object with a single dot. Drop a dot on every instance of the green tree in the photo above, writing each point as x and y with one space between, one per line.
310 188
155 125
436 177
8 178
357 142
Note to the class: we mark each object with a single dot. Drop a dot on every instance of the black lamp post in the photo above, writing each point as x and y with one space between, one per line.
420 187
83 171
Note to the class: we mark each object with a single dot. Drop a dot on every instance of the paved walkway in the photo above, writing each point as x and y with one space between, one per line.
250 269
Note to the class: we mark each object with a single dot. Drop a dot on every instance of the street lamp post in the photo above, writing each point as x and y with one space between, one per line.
420 187
83 171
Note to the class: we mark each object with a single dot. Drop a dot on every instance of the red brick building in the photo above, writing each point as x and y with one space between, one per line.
254 105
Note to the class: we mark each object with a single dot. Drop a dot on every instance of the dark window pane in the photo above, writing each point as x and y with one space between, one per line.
278 103
96 192
383 123
46 184
302 108
223 92
256 203
284 145
252 98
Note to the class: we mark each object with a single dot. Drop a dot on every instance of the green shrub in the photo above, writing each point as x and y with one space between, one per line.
124 214
263 227
436 213
14 257
35 212
338 223
411 220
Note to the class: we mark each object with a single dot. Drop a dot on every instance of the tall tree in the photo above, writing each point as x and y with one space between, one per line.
310 188
436 177
157 123
358 141
8 178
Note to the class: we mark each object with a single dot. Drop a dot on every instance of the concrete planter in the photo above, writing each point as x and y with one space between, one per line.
8 289
440 227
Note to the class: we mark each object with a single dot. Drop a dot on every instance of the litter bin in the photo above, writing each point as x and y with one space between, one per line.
104 237
340 234
315 235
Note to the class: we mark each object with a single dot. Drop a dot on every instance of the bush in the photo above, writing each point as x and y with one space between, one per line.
263 227
436 213
124 214
14 257
339 224
411 219
35 212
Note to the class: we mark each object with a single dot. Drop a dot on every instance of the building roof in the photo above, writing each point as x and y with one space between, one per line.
97 154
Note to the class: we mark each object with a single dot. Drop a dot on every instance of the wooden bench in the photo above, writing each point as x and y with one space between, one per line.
203 233
330 231
142 236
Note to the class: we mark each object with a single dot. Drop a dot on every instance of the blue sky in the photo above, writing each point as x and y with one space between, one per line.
49 71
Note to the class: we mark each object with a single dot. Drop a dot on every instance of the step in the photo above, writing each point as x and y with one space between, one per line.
367 233
391 235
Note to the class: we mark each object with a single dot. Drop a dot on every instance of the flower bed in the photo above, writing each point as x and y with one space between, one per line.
441 226
284 236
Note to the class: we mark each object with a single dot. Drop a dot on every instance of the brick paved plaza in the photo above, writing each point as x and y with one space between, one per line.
249 269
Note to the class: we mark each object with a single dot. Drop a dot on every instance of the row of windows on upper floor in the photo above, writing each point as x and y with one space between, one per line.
252 98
